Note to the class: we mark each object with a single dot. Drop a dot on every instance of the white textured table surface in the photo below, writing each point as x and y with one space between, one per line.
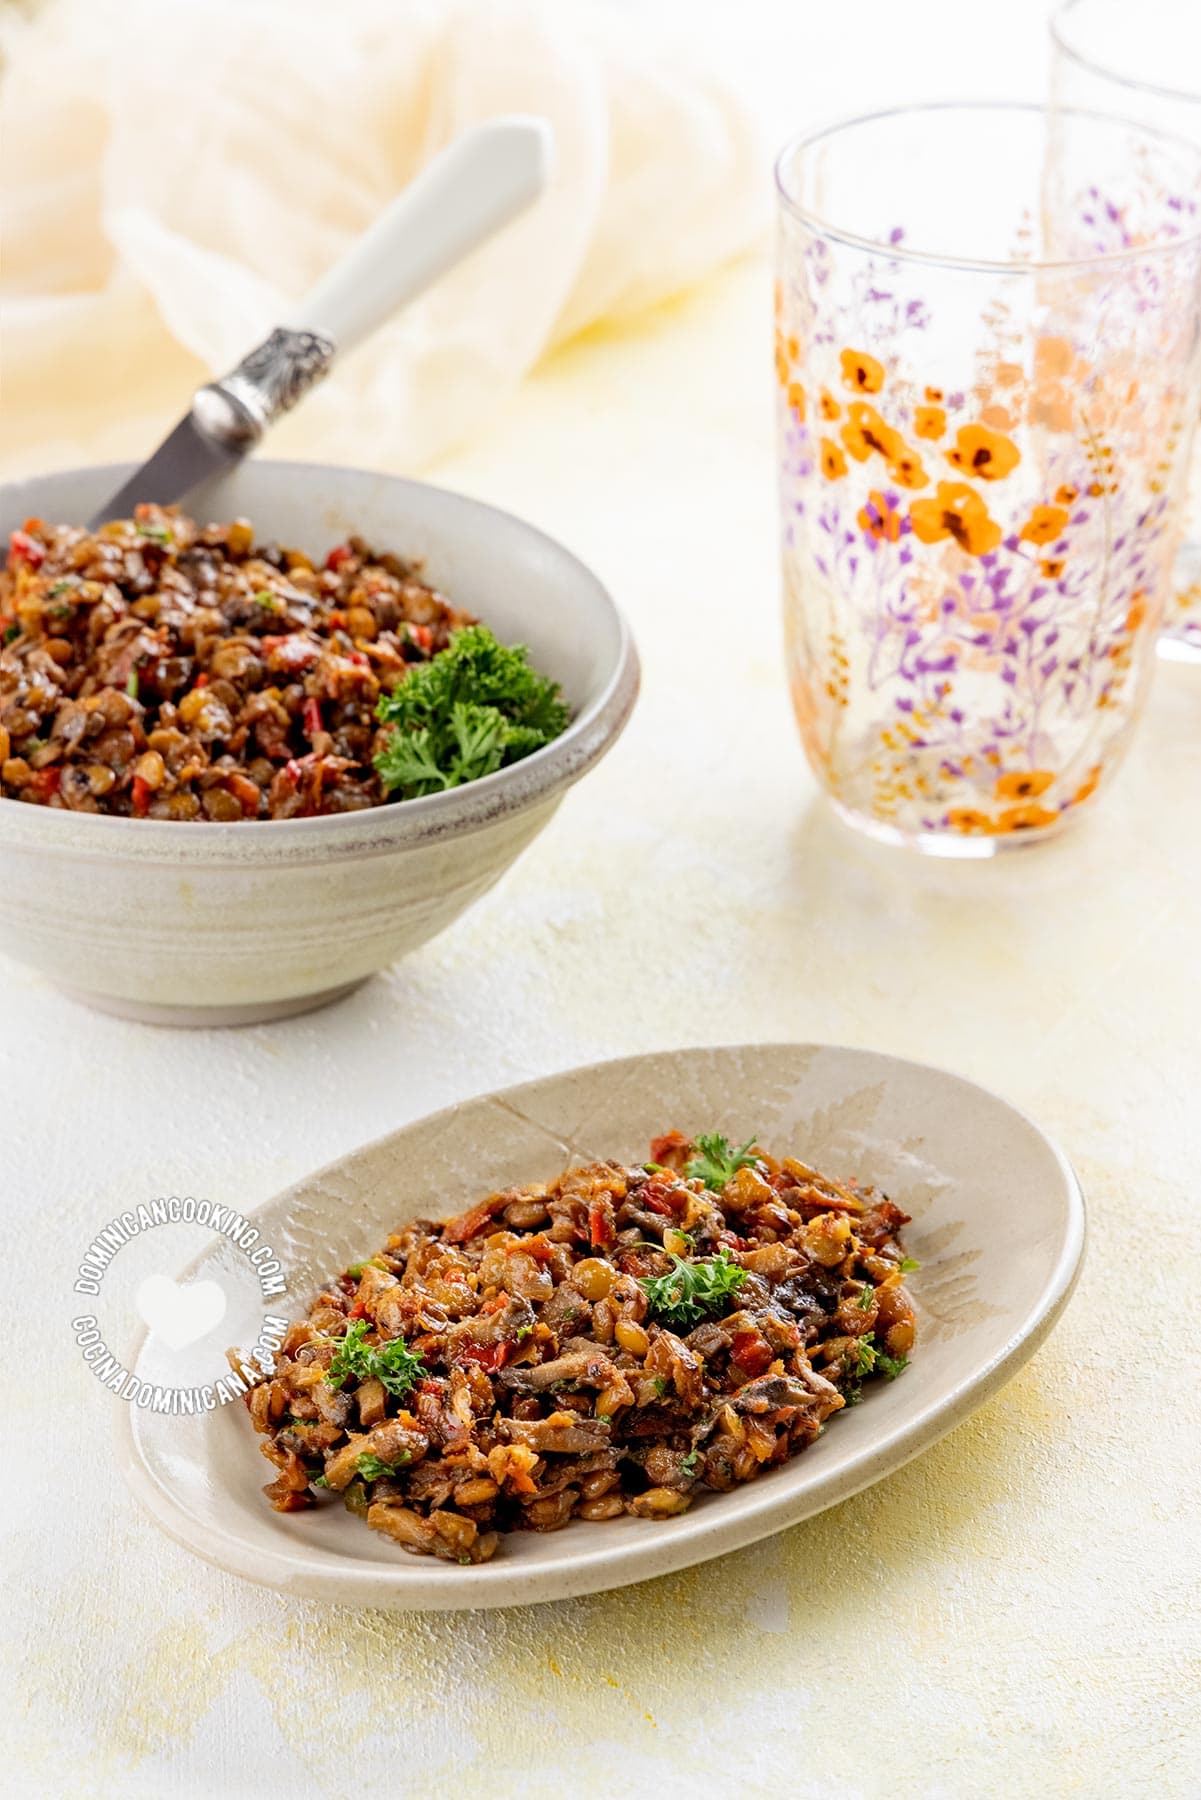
1015 1613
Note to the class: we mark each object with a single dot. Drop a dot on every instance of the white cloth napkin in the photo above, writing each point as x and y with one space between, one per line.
178 171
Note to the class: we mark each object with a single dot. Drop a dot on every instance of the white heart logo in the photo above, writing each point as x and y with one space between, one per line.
180 1314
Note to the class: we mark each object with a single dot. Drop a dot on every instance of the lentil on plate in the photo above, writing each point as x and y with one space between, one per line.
612 1343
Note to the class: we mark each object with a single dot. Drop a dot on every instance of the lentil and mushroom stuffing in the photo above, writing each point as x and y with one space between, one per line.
156 668
612 1343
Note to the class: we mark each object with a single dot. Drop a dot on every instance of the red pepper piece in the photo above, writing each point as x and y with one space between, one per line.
601 1229
312 716
338 555
47 781
751 1351
422 636
201 681
476 1219
662 1148
489 1356
659 1198
23 548
141 796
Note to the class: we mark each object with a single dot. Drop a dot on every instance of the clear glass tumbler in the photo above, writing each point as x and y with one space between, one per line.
989 359
1143 62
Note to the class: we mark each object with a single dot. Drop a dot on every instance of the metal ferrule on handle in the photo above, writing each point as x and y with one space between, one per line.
237 409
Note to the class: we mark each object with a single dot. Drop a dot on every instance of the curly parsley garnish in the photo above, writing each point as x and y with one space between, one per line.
470 710
372 1468
691 1289
717 1163
391 1363
869 1359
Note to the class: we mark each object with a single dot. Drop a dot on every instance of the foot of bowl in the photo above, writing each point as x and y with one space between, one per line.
253 1012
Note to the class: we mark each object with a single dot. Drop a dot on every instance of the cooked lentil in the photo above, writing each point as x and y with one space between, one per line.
159 669
515 1366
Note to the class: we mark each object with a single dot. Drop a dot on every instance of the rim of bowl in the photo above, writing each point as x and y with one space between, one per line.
1058 26
456 812
823 228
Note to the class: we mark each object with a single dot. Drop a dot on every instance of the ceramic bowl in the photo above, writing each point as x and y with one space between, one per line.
998 1229
199 924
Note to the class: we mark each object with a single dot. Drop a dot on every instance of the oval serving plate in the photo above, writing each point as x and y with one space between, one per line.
998 1228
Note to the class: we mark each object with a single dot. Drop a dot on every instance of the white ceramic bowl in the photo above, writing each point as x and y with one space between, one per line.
998 1229
211 924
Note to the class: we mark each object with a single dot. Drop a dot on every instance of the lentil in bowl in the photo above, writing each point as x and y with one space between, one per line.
155 668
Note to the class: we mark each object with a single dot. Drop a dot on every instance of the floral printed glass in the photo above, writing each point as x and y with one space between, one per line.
1143 61
989 364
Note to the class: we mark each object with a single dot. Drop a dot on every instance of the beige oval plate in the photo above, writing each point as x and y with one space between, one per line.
998 1227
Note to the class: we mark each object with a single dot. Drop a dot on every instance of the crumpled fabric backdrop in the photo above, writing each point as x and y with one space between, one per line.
176 174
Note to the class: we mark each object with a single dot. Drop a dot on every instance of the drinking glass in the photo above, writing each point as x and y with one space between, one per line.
1143 62
989 358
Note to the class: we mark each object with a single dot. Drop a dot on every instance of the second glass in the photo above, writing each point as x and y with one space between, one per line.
1142 62
989 362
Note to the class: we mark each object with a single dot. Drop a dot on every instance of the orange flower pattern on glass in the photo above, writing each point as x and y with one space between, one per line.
834 463
1044 525
1023 784
880 519
1026 818
906 469
963 606
956 511
968 819
865 432
1088 786
984 454
788 358
862 372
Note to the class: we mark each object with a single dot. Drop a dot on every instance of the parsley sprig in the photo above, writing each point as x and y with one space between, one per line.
690 1290
870 1359
716 1163
372 1468
469 711
391 1363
